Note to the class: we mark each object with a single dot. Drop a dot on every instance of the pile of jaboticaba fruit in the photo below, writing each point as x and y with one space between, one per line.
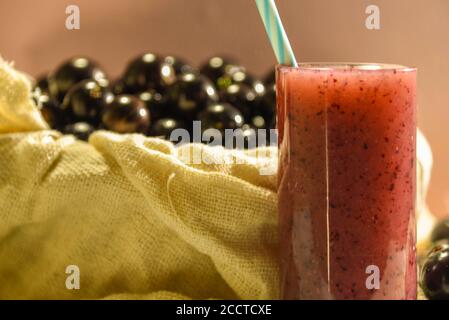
435 268
155 95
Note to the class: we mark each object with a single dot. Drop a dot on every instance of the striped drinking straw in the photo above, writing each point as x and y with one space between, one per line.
276 33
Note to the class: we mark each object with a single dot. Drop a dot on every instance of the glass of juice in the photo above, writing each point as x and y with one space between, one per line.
346 181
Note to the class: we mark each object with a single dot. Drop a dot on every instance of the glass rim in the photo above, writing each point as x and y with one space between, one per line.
343 66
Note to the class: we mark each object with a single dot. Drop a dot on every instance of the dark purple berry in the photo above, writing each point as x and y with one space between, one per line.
70 73
221 116
190 94
435 273
156 103
143 73
86 101
126 114
243 97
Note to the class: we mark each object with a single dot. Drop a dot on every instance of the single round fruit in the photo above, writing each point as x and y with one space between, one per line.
215 67
126 114
242 97
156 103
441 231
142 73
435 274
51 111
164 127
70 73
86 100
81 130
190 94
221 116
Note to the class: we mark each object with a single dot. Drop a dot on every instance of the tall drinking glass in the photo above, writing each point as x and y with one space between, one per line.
347 181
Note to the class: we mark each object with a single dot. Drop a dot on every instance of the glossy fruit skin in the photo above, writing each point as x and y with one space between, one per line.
190 94
142 73
164 127
81 130
70 73
243 97
51 111
156 103
215 67
435 273
221 116
441 231
172 67
86 101
126 114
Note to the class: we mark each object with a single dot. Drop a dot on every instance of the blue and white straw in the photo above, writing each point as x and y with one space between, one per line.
276 33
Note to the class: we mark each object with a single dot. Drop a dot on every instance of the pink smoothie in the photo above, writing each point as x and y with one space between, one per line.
347 181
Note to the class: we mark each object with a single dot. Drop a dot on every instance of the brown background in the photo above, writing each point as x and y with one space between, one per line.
413 32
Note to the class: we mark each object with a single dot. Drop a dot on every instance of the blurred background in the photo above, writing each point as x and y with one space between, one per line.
413 32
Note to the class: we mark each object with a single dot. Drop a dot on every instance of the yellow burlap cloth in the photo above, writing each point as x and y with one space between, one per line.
129 212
